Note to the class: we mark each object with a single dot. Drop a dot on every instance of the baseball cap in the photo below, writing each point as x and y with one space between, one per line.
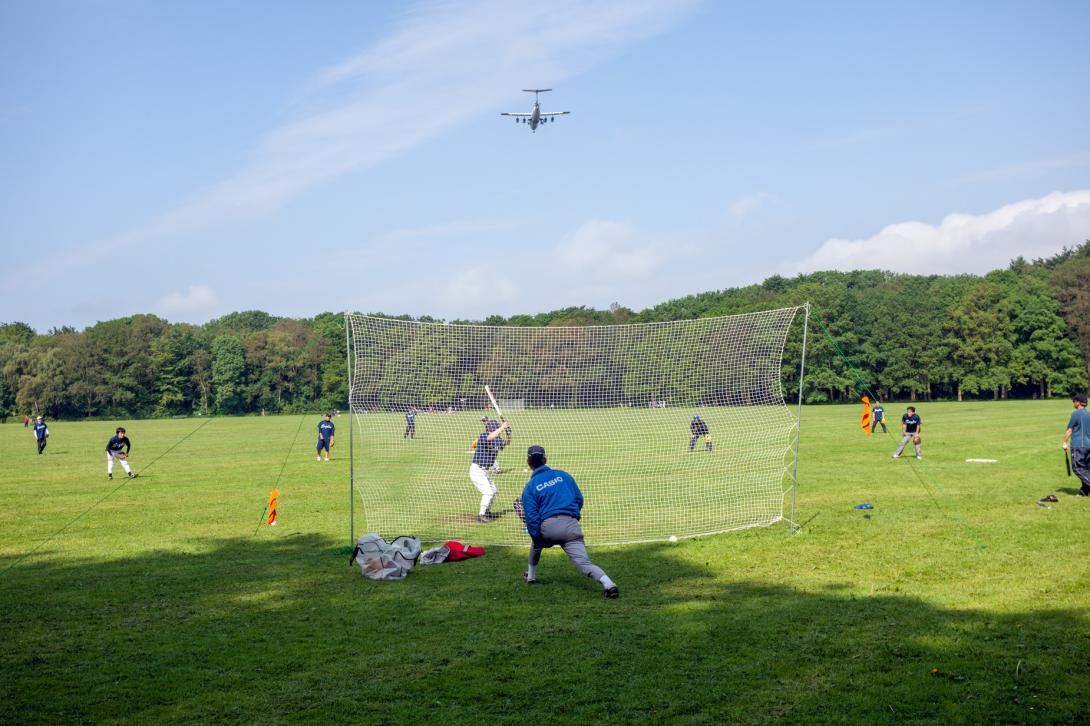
1081 398
484 418
491 426
535 450
696 418
39 418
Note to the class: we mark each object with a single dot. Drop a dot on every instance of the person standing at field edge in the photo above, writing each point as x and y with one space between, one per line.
325 435
878 416
1078 435
551 507
41 434
117 449
911 426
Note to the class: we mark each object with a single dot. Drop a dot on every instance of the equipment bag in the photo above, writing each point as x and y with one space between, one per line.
382 560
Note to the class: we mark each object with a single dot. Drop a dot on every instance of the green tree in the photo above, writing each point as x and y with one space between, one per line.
228 373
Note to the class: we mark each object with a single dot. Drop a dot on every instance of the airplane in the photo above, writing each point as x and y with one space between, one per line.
536 117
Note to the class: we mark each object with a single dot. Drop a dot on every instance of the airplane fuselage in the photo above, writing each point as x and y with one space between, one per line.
535 117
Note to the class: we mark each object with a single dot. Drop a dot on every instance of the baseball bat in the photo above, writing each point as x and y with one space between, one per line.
1067 462
488 390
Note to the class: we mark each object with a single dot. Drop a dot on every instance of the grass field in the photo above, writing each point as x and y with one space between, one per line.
956 599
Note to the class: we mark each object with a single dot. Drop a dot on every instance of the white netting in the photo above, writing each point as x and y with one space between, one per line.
613 406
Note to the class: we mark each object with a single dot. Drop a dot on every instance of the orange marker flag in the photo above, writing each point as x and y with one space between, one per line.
272 507
866 414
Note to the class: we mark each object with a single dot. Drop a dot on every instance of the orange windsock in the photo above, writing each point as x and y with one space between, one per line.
866 414
272 507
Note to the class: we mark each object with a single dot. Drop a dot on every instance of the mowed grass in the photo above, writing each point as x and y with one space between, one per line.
955 599
634 464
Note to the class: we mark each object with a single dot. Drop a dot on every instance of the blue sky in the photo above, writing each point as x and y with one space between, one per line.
191 159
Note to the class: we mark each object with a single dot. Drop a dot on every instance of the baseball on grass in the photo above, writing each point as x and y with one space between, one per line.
673 538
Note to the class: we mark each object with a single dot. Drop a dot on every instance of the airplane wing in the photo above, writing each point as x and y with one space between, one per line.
519 115
554 113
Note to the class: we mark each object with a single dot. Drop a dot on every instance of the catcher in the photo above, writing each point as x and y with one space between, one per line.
910 429
699 428
117 449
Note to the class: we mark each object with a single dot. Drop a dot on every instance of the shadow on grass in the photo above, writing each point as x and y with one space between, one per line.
283 630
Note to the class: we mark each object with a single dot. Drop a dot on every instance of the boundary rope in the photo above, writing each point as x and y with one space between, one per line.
287 456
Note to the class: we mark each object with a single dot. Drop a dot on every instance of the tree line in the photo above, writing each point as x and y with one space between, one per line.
1021 332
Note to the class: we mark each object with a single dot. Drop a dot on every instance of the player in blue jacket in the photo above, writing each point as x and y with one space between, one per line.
41 434
551 506
325 436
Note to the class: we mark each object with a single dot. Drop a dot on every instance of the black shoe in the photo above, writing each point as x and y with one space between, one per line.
612 593
131 475
529 580
483 518
1081 493
110 477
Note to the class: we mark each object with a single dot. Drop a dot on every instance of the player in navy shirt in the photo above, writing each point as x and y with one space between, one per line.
41 433
551 507
117 449
911 426
485 449
878 416
1078 435
410 424
325 436
699 428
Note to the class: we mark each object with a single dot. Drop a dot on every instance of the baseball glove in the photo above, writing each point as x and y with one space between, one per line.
707 439
122 455
517 505
916 439
474 444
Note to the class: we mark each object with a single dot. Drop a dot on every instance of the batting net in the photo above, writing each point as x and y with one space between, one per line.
670 429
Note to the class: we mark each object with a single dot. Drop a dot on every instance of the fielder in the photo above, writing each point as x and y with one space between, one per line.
878 416
410 424
41 434
699 428
117 449
551 506
1078 435
325 436
910 429
485 449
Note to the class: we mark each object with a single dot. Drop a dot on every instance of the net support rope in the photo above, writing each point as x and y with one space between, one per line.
670 429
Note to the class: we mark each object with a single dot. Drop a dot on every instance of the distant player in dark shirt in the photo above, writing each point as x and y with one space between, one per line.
699 428
325 436
410 424
911 426
485 449
41 434
117 449
878 416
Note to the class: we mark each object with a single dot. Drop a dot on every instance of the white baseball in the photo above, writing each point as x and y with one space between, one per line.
673 538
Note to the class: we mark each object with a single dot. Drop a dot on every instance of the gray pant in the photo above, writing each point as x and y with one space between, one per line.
565 531
904 442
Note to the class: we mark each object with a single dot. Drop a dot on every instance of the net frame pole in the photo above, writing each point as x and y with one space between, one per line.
351 437
798 427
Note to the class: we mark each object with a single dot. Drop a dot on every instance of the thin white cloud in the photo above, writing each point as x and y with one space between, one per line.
1036 167
745 205
607 249
196 300
963 242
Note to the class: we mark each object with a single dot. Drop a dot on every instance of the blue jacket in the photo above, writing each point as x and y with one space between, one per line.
548 493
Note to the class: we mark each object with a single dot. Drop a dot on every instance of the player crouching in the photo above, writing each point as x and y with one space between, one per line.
117 449
551 507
